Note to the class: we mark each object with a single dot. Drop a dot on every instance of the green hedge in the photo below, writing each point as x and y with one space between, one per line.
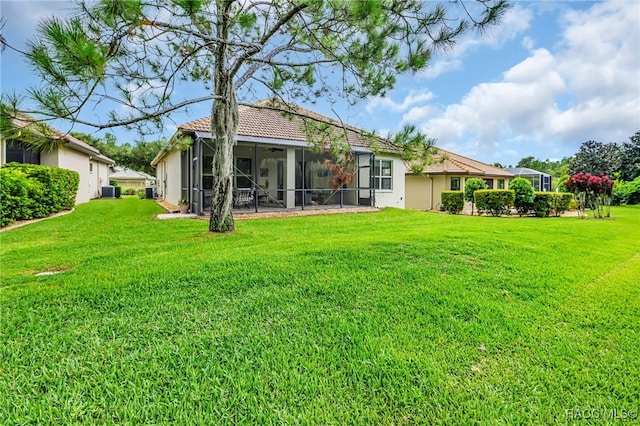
547 203
494 201
626 193
452 201
29 191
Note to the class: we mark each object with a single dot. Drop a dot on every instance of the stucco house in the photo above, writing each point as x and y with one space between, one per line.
449 172
91 165
128 178
276 166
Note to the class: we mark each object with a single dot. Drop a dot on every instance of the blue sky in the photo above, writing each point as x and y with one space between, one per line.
554 74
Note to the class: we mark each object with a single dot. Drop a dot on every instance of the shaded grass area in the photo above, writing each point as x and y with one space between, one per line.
397 317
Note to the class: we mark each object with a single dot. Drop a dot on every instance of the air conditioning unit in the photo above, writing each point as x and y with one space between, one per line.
108 192
150 193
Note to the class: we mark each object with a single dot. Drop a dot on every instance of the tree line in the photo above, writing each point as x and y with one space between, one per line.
136 156
620 161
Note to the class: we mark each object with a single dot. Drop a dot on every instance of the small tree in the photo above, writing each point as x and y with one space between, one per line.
470 186
524 195
593 192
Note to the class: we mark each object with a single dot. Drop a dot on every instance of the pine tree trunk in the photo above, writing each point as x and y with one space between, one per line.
224 127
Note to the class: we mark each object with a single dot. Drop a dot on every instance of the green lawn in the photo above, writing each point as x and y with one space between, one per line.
398 317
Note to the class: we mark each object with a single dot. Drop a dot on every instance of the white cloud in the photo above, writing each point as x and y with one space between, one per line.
440 67
585 87
418 114
414 97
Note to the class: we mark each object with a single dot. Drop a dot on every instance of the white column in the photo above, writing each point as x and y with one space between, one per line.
291 178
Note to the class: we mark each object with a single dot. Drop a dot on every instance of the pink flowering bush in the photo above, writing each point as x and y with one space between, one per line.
593 192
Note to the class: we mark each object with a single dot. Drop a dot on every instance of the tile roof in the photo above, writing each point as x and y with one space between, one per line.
274 119
458 164
26 121
126 173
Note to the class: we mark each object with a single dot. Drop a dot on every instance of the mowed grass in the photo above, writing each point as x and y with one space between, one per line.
397 317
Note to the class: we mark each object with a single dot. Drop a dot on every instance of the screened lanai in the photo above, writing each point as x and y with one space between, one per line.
277 176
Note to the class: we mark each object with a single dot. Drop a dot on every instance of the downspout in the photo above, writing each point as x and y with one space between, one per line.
430 191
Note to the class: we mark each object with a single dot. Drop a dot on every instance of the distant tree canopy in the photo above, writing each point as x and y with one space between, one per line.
630 158
136 157
621 161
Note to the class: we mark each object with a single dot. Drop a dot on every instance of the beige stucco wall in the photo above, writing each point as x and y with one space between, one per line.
72 160
101 173
423 192
417 192
169 178
395 197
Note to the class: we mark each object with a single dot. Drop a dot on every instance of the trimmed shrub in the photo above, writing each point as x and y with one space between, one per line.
470 187
523 193
542 202
452 201
548 203
561 202
494 201
31 191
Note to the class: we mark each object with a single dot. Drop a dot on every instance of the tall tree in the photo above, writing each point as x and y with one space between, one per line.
133 55
630 158
596 158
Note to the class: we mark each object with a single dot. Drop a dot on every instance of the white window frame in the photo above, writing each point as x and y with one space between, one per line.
379 176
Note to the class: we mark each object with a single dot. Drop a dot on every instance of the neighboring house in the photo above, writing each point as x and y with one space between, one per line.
93 167
541 181
275 165
449 173
128 178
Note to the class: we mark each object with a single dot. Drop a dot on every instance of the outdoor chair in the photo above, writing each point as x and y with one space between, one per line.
243 198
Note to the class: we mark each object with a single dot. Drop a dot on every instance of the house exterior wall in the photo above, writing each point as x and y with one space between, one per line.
418 192
424 192
72 160
169 177
101 173
396 196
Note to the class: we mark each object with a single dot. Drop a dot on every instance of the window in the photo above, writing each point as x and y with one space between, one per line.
455 184
500 183
382 174
21 153
90 167
489 183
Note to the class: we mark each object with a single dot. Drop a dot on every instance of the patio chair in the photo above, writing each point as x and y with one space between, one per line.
243 198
